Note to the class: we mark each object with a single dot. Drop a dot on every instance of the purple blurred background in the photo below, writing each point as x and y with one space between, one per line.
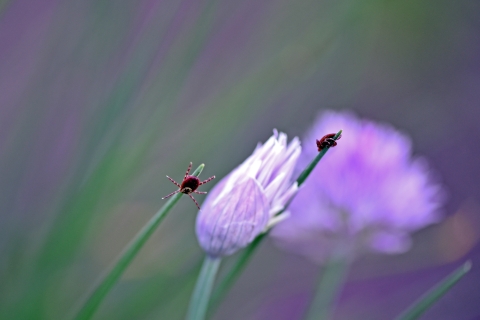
99 100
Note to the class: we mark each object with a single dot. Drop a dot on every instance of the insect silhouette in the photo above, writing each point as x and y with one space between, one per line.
189 185
327 141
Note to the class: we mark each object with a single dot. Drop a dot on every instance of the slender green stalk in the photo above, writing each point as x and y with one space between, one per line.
197 309
329 285
227 282
434 294
234 272
126 257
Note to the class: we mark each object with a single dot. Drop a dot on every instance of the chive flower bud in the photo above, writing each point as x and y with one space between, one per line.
244 203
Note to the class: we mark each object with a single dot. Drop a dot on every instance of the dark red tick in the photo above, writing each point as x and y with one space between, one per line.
189 185
327 141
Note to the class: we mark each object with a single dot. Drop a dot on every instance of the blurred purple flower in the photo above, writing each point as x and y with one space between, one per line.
243 204
366 194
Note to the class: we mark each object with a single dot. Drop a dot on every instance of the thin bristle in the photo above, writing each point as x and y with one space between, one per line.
196 203
208 180
173 181
171 194
188 171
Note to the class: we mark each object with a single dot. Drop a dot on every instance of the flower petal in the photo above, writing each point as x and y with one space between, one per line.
234 220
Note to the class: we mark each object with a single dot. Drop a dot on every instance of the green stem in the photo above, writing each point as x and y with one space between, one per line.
328 289
429 298
197 309
234 272
126 257
227 282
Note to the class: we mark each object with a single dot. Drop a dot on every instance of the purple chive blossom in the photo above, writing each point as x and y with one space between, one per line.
365 194
243 204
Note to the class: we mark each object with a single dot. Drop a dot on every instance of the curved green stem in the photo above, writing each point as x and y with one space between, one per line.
197 309
235 271
329 285
126 257
428 299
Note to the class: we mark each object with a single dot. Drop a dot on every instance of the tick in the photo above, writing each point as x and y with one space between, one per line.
189 185
327 141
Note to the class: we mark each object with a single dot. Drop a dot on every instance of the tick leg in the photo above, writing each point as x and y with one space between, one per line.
209 179
171 194
188 171
175 182
194 201
199 192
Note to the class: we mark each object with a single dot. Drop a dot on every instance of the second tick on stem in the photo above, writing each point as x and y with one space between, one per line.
327 141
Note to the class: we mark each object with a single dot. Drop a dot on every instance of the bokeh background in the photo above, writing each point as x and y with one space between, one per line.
100 99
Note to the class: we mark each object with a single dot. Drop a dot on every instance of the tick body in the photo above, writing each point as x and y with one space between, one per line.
189 185
327 141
